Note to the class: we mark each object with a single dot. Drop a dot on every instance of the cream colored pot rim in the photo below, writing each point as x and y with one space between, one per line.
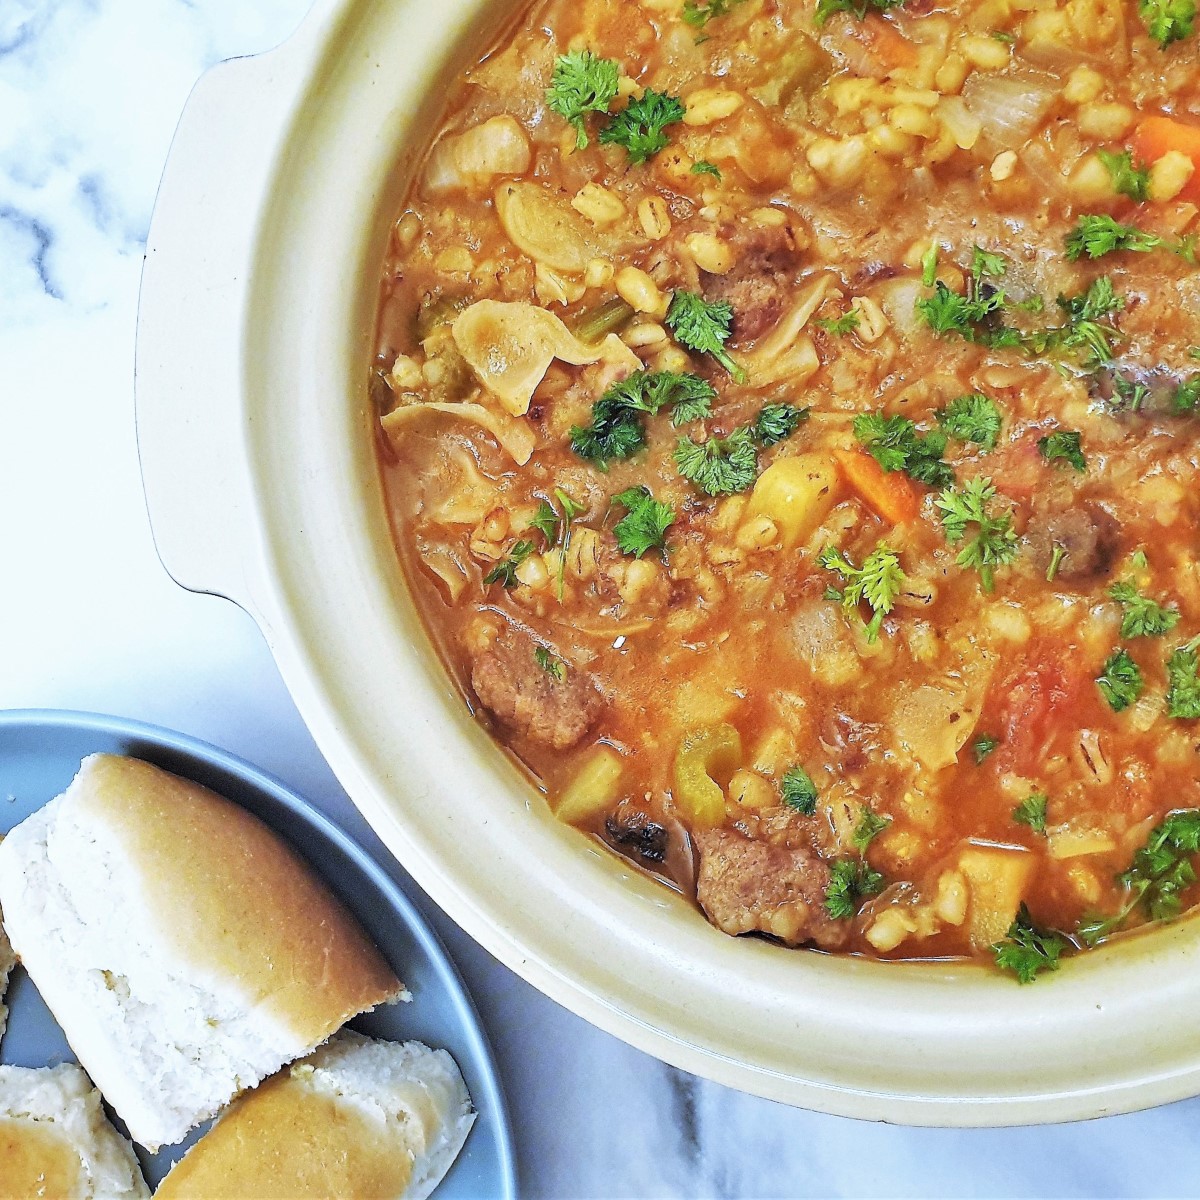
254 330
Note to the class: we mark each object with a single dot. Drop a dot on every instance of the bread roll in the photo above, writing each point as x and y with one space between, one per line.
55 1140
358 1119
186 952
8 960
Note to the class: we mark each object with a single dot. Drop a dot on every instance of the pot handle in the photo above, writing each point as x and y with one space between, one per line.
189 380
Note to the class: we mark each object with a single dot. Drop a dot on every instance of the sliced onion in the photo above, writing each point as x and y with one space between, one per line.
1009 107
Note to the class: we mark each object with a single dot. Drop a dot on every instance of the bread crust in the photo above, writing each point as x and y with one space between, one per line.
232 899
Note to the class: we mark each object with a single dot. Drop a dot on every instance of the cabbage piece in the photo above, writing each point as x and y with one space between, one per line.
510 345
472 159
543 225
515 437
933 723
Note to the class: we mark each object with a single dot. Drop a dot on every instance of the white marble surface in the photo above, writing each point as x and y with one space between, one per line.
89 94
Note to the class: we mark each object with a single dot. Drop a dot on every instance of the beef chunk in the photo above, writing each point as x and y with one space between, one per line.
758 284
513 686
746 886
1086 534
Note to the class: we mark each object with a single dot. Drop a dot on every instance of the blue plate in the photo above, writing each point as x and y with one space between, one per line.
40 753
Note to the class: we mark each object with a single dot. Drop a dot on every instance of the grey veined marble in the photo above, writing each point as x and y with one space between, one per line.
90 91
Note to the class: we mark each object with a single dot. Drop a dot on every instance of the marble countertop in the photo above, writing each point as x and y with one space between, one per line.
90 91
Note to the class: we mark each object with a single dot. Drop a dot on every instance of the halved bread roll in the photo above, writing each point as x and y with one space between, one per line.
185 950
358 1119
8 960
56 1141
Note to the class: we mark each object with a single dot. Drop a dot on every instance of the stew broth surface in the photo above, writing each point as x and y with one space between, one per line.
923 658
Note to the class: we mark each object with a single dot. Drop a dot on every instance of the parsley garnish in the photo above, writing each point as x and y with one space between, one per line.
1183 687
1142 617
645 524
1120 680
878 582
982 746
1127 179
556 527
1063 444
848 322
1168 21
1057 554
870 826
1161 870
994 545
1186 396
617 429
947 312
857 8
777 422
893 442
505 571
1032 812
985 265
1098 234
799 791
704 327
929 265
554 667
582 83
704 167
1028 950
972 418
700 14
850 881
720 466
1086 328
1128 396
639 125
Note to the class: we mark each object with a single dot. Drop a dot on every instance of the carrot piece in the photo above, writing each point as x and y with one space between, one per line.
1155 136
889 493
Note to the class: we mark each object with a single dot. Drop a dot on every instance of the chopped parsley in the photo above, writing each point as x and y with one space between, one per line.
985 265
982 746
720 466
1063 444
1183 687
1127 179
994 543
1097 234
645 524
848 322
1186 397
851 880
699 14
857 8
704 167
704 327
799 792
1120 680
618 430
554 667
639 126
582 83
878 582
1128 396
870 826
1032 812
1057 554
1142 617
1027 950
972 418
893 442
947 312
1168 21
555 526
1086 329
777 422
505 571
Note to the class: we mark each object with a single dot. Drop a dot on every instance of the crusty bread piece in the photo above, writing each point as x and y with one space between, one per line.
186 952
8 960
358 1119
55 1140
